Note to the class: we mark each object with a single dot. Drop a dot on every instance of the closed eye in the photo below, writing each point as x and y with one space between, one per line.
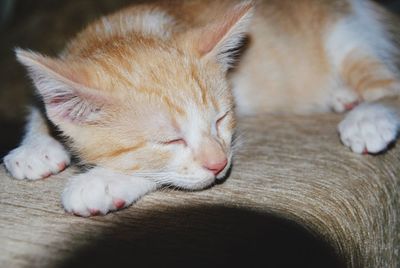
219 121
175 141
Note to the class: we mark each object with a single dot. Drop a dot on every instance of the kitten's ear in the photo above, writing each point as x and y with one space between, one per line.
64 88
221 39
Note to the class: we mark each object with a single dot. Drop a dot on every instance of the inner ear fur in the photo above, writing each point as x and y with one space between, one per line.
64 88
220 40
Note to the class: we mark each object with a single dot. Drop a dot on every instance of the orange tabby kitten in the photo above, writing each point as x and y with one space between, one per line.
146 95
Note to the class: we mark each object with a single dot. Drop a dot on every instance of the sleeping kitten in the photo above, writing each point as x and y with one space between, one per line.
146 95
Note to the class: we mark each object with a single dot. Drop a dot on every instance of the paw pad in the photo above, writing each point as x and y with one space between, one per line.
94 212
119 203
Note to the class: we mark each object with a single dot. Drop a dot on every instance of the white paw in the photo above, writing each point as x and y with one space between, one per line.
369 128
37 159
99 191
343 99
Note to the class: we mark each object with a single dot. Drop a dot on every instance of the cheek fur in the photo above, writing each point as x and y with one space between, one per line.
147 159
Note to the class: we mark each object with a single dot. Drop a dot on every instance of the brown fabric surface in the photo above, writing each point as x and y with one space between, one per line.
296 198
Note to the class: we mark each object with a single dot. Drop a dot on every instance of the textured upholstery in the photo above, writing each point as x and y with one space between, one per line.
295 198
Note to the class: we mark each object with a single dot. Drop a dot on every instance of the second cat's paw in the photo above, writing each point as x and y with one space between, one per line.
37 159
369 128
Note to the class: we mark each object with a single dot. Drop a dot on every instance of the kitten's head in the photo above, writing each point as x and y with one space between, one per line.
160 108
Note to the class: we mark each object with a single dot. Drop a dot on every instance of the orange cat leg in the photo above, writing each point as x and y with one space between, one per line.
374 125
370 78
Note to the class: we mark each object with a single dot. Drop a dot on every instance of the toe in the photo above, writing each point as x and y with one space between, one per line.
119 203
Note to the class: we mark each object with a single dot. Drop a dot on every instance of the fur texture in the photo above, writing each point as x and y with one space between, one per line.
148 92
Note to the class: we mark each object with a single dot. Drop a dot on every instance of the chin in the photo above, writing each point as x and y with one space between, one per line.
195 185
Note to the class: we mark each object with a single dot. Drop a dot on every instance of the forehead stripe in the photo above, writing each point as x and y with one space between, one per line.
201 85
173 106
121 151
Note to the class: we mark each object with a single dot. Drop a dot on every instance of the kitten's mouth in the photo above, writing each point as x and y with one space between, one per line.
192 183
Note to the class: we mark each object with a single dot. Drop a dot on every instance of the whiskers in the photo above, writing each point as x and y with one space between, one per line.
238 141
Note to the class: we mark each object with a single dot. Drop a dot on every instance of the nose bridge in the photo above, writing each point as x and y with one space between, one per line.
210 151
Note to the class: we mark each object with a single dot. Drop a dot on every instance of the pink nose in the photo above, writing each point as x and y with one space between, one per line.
216 167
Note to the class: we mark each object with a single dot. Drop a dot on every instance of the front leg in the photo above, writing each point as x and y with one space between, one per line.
372 126
39 155
101 190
